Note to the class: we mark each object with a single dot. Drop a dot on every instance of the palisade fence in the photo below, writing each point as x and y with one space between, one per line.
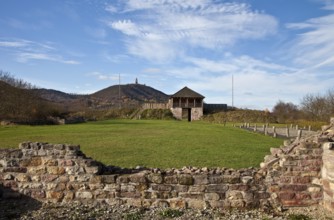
292 131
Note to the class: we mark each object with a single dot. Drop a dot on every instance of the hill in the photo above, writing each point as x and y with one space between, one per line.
21 105
55 95
130 95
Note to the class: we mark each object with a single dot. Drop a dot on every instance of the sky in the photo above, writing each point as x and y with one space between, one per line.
275 50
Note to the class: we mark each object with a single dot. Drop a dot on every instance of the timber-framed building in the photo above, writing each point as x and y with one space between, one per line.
187 103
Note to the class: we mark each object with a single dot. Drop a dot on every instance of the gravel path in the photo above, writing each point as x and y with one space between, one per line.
34 210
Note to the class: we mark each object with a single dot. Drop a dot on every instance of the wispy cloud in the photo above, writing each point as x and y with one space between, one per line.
26 51
26 57
103 76
173 26
314 47
23 25
329 4
258 84
99 33
15 44
152 70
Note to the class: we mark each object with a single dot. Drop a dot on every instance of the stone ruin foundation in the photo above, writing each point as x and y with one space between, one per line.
300 173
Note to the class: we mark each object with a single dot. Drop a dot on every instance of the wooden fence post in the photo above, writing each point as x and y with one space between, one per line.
299 134
274 132
287 132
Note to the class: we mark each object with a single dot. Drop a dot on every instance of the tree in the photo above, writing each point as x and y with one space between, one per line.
286 112
317 107
19 102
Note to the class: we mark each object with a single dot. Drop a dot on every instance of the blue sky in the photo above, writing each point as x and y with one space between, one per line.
275 49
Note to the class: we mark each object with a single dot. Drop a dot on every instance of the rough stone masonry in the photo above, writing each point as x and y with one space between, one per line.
300 173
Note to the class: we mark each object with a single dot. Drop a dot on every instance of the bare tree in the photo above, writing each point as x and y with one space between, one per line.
19 102
317 107
11 80
286 112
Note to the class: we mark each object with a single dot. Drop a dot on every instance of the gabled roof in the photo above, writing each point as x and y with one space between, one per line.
187 93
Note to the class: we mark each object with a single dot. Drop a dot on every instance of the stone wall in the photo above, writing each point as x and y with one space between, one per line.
177 113
328 169
300 173
293 173
149 105
196 113
63 174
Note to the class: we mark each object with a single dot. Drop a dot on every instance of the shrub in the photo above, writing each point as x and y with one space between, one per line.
298 217
241 115
156 114
171 213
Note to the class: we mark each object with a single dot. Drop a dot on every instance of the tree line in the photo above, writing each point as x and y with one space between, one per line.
20 103
313 107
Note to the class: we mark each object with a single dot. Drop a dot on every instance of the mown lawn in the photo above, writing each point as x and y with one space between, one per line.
152 143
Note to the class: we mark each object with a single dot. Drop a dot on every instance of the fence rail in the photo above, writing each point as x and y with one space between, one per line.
285 132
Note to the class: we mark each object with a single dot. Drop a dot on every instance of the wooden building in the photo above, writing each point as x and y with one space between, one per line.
186 104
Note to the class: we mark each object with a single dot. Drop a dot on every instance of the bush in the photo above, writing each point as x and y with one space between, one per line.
298 217
156 114
92 115
241 115
171 213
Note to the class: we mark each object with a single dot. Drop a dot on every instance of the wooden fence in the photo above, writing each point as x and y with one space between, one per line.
292 131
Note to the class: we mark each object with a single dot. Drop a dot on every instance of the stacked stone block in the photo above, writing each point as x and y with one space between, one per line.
328 173
63 174
297 173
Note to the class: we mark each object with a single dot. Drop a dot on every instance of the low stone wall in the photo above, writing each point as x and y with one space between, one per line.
300 173
293 173
63 174
196 113
149 105
328 175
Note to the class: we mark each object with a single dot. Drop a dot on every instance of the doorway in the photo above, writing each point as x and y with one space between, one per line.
186 114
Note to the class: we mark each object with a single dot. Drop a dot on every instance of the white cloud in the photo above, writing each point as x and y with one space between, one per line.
154 51
99 33
26 57
167 27
257 84
152 70
103 76
329 4
26 51
13 44
127 27
111 8
315 46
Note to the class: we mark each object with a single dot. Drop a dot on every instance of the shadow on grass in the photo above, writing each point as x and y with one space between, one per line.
121 122
107 170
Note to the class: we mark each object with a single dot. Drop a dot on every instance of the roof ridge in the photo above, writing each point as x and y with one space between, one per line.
187 93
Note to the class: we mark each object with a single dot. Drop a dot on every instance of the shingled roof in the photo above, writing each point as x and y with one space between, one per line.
187 93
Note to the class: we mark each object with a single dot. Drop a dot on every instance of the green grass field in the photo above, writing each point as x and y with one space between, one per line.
152 143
